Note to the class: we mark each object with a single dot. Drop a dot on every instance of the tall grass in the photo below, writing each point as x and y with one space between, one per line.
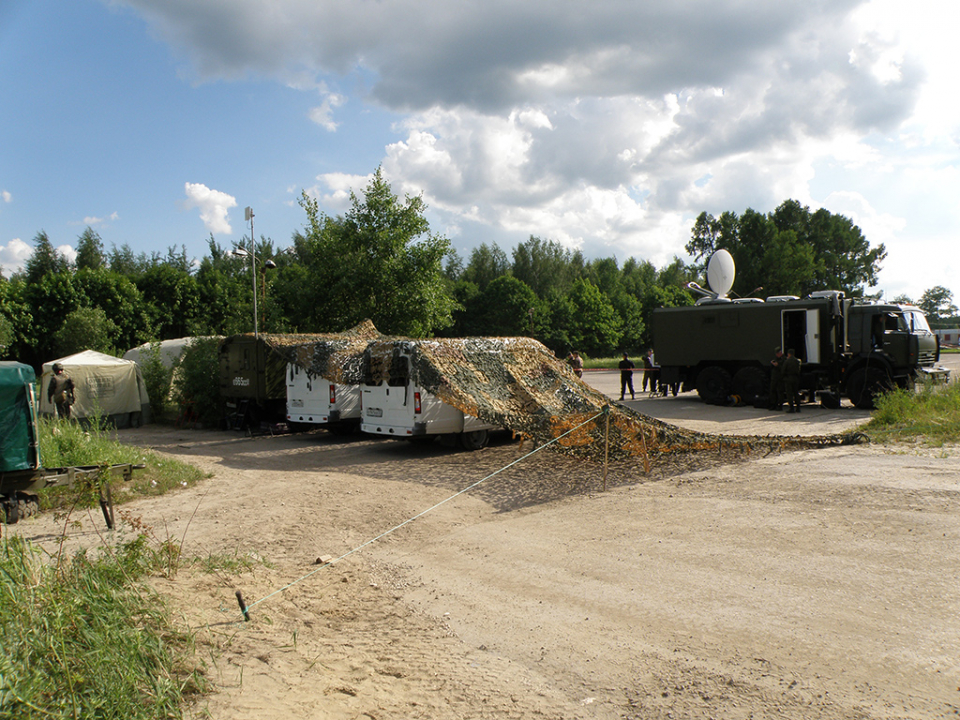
66 444
932 412
85 638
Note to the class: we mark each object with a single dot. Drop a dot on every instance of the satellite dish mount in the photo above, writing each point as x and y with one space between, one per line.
720 273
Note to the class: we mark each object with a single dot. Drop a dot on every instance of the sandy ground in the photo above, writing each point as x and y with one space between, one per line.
815 584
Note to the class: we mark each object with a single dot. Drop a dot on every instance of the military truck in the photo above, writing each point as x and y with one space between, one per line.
722 347
252 382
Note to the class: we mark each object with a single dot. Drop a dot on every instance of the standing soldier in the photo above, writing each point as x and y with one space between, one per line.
776 380
626 376
791 381
61 391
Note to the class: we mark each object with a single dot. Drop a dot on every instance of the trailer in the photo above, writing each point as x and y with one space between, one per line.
314 401
399 408
21 472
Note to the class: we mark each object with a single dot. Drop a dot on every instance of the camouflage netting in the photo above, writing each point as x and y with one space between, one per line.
518 384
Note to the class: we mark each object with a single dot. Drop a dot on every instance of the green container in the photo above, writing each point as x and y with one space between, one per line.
18 428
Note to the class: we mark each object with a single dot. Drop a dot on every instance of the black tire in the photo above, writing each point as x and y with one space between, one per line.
750 383
865 385
475 440
713 385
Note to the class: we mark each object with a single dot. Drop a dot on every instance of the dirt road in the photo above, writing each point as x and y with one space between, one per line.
817 584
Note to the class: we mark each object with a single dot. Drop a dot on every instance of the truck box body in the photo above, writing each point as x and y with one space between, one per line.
401 409
313 400
723 348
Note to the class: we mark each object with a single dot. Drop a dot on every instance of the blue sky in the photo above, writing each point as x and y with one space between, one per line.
608 126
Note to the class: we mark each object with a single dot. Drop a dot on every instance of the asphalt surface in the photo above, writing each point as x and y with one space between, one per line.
687 410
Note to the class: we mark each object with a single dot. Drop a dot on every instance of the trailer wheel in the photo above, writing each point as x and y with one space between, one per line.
865 385
475 440
750 383
713 385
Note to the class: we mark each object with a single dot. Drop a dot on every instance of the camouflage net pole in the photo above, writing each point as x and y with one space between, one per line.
517 383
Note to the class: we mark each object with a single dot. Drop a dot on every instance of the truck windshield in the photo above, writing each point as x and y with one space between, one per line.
917 321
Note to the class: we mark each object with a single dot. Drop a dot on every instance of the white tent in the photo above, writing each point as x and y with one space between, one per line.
105 385
170 351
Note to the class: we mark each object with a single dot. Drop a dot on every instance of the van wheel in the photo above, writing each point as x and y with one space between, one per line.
713 385
475 440
865 385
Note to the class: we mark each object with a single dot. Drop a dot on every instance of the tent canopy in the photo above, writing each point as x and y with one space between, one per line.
18 450
105 385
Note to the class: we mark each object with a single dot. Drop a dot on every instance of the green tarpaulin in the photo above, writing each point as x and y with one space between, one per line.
17 448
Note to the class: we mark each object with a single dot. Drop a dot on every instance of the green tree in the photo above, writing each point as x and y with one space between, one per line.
90 254
48 301
85 328
45 259
380 261
508 307
790 251
120 299
197 383
487 263
172 300
937 305
595 327
547 267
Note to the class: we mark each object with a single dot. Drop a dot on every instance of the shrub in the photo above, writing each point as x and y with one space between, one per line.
198 380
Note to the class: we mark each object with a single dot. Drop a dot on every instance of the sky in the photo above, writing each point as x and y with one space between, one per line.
607 126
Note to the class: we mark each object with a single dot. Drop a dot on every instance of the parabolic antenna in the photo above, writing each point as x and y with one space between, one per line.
720 272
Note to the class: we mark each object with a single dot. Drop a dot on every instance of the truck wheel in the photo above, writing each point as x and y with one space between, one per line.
864 386
475 440
713 385
750 383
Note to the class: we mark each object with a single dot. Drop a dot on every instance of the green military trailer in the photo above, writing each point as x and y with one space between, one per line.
252 382
722 348
21 472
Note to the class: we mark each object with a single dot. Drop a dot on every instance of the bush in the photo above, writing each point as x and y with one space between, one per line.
931 412
198 380
156 376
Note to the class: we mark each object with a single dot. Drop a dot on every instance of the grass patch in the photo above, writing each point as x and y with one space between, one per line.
932 412
85 638
72 444
608 363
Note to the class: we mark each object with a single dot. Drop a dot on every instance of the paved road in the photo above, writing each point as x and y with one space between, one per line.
687 410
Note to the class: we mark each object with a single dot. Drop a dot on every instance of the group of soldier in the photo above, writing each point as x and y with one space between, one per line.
785 381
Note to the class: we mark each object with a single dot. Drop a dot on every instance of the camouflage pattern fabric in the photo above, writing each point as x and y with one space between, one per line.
517 383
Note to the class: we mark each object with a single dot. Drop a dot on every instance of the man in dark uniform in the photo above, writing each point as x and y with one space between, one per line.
61 391
626 376
776 380
791 381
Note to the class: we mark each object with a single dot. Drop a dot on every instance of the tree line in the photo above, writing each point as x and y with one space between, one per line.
381 261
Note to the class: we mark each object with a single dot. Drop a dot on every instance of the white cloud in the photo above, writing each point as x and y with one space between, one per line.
6 196
611 130
93 220
14 256
322 114
213 206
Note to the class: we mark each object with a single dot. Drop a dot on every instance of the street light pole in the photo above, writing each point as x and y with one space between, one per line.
253 269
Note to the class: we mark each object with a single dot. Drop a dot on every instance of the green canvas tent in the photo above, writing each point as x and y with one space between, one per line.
18 443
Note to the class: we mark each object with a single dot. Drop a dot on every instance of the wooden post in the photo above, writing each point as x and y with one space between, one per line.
606 445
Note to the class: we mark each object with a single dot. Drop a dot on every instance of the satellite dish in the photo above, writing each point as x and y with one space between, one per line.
720 273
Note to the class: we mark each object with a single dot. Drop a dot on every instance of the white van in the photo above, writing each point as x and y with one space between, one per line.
317 401
400 409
